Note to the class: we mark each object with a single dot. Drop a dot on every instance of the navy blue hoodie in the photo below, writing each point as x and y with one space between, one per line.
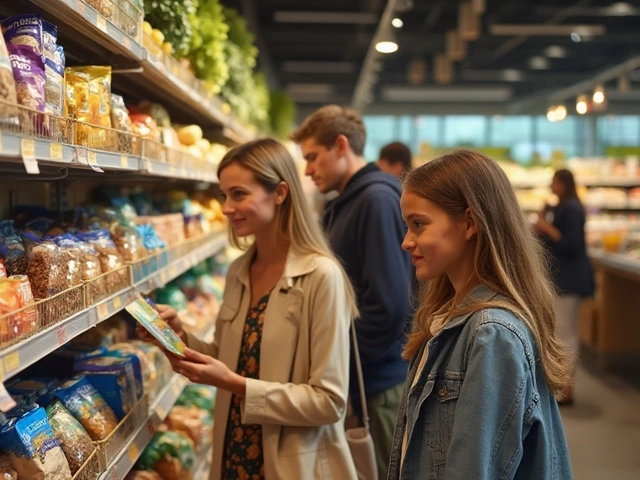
365 229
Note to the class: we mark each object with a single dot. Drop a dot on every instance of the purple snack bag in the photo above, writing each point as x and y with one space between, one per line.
28 72
24 30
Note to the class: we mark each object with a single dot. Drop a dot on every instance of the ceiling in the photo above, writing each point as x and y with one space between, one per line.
523 58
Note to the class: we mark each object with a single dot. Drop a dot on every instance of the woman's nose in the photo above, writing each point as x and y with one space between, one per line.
408 243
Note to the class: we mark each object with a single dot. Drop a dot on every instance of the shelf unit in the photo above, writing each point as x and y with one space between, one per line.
136 443
18 357
622 182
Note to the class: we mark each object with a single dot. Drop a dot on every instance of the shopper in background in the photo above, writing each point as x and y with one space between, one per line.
280 357
478 402
364 226
570 267
395 159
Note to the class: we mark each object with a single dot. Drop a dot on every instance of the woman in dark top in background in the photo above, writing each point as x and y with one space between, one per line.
563 233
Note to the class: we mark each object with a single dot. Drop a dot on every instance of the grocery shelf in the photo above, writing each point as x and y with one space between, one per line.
616 261
25 353
589 183
134 446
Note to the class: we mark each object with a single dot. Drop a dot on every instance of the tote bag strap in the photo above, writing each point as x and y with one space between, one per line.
356 352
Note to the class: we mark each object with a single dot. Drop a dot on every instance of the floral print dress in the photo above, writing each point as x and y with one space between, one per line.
243 459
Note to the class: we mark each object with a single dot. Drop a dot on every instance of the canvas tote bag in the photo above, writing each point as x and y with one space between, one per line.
359 438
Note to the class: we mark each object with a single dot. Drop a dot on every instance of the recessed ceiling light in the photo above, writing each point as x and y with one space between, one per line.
555 51
387 42
397 22
576 38
539 63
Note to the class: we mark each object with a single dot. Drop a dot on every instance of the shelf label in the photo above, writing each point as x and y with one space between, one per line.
183 172
133 452
12 362
80 7
175 389
117 303
81 156
103 311
55 151
161 413
28 151
61 335
124 161
92 158
101 22
163 276
126 42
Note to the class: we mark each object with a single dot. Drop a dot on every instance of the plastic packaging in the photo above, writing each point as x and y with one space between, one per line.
28 73
7 472
8 113
103 7
71 252
110 258
32 448
74 440
46 268
151 321
14 254
88 407
144 370
91 270
120 121
129 242
201 396
49 40
24 30
170 454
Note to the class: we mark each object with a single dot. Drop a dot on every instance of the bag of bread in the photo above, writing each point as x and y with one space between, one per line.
8 98
74 440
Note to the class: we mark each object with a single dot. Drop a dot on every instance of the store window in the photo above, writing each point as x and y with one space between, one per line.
465 131
557 136
380 131
512 132
619 130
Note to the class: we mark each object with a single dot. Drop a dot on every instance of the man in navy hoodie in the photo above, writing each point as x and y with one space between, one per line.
365 228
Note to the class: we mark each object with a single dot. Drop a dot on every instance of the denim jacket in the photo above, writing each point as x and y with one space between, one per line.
481 408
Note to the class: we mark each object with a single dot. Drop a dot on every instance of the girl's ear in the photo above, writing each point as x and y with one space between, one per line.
472 226
282 191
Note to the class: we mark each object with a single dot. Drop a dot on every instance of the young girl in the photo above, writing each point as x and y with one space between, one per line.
565 239
479 401
280 357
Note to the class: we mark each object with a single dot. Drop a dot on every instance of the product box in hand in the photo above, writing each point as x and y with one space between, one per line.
148 317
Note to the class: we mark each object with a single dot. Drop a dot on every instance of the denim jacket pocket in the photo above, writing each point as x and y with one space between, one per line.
439 413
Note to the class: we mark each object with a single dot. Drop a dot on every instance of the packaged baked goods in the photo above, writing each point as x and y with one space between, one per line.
114 379
129 242
14 254
88 96
110 258
88 407
170 454
200 396
103 7
37 390
46 270
71 255
7 472
29 76
74 440
192 422
120 121
17 309
49 40
8 113
24 30
54 87
152 242
32 448
91 270
143 369
28 316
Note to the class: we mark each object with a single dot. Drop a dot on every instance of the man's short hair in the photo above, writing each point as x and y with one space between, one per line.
327 123
397 152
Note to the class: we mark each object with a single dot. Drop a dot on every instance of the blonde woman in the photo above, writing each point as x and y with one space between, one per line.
280 357
479 400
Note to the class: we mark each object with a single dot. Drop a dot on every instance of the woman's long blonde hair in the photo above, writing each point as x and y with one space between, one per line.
271 163
507 257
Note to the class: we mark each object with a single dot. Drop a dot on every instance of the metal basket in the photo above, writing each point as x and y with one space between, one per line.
109 448
106 285
122 13
91 469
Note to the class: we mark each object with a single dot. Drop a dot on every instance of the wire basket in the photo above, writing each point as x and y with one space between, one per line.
107 284
91 469
109 448
124 14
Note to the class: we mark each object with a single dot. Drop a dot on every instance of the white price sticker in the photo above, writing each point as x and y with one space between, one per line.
28 151
81 156
101 23
92 158
55 151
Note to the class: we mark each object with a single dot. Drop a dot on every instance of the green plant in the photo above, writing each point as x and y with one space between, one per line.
172 18
282 113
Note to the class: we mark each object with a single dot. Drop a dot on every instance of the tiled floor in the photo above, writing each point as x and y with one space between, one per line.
603 428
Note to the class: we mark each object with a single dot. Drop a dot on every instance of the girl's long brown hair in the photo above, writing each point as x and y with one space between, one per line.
507 257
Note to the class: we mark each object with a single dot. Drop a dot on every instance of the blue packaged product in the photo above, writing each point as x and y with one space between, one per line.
32 448
89 407
114 379
36 389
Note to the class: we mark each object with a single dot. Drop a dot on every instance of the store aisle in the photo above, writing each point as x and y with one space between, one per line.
603 429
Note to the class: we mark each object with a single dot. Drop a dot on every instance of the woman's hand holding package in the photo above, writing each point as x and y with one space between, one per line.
207 370
170 316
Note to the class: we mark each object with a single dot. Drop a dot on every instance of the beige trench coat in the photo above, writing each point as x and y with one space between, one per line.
300 399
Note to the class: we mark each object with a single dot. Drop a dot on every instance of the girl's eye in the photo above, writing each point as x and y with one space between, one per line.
237 195
418 224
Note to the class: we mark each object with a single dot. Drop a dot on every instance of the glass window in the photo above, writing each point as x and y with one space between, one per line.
515 133
380 131
465 131
553 136
619 130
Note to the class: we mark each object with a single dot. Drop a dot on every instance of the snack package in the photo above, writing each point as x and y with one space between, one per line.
8 98
88 407
120 121
24 30
192 422
28 73
88 95
158 359
161 331
129 242
40 389
143 368
74 440
46 270
170 454
3 270
72 254
16 301
142 475
91 270
32 448
49 40
7 472
110 259
14 254
200 396
114 379
54 87
103 7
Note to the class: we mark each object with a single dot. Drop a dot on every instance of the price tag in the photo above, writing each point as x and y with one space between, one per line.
117 303
55 151
103 311
126 42
28 151
61 335
12 362
92 158
133 453
163 276
81 156
80 7
102 23
161 413
124 161
173 271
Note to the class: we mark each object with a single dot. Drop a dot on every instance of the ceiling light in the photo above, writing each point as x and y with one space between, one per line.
555 51
539 63
598 95
582 106
561 113
621 9
512 75
551 114
575 37
397 22
387 42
